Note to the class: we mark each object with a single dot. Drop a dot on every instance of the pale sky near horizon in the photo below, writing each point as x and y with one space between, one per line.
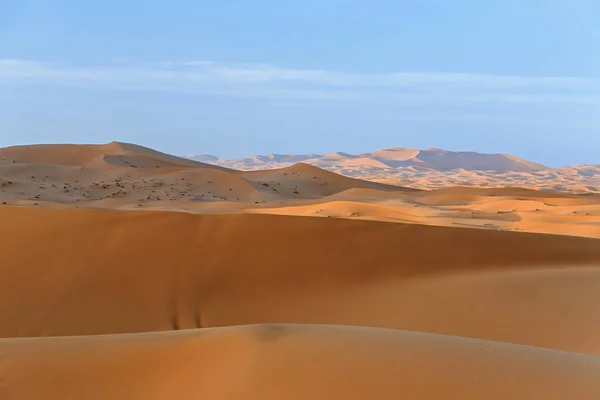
238 78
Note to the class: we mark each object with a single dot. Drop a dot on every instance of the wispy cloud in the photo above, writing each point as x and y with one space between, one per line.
268 81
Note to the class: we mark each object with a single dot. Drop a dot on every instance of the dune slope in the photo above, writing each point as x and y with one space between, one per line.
290 362
127 273
99 271
127 176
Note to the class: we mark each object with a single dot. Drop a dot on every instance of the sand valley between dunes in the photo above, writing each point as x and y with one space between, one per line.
127 273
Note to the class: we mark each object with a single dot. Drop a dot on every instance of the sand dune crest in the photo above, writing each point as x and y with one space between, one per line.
291 362
128 273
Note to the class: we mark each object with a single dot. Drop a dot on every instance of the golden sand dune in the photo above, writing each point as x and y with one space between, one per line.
434 169
93 272
275 362
114 153
126 176
124 269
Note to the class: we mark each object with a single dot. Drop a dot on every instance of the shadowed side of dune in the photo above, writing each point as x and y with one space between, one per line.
81 272
114 153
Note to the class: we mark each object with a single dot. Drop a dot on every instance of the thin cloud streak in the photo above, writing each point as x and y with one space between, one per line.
266 81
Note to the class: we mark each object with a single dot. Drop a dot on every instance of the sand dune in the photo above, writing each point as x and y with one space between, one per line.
437 159
67 173
290 362
125 176
128 273
434 169
94 273
121 154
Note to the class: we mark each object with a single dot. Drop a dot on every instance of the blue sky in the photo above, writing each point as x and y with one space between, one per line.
236 78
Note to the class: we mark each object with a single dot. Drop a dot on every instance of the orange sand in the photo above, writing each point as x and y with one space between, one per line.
125 270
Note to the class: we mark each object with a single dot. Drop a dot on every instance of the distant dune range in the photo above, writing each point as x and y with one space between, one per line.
126 176
433 169
128 273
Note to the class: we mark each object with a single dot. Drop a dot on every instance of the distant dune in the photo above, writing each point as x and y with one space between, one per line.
434 169
128 273
114 153
126 176
437 159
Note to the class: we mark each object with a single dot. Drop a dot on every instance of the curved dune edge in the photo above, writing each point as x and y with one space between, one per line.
87 272
127 176
208 302
290 362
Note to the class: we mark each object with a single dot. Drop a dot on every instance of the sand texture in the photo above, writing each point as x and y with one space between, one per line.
433 169
126 273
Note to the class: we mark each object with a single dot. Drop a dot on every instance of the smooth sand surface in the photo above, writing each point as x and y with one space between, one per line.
126 273
93 272
290 362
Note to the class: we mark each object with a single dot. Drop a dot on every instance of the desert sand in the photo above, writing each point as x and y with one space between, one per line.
126 176
433 169
291 362
127 273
